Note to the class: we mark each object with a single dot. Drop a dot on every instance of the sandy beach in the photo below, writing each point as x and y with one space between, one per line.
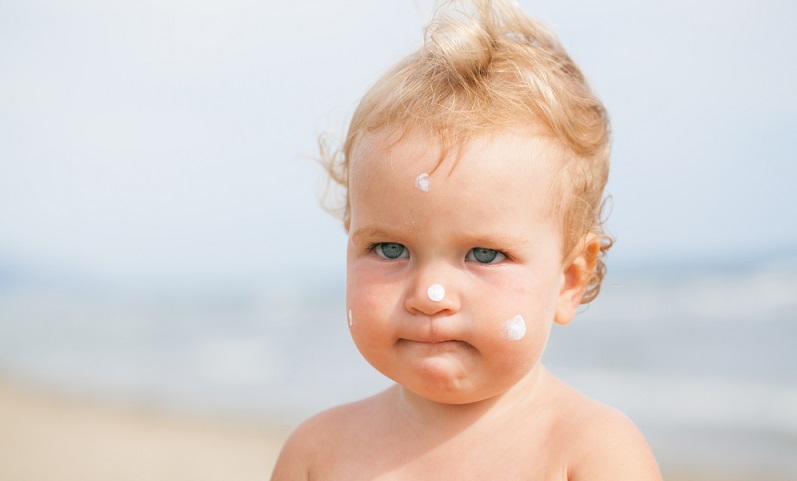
49 436
44 436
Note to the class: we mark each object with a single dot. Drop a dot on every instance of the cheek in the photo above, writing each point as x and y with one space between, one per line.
357 291
517 343
368 301
370 319
361 318
521 316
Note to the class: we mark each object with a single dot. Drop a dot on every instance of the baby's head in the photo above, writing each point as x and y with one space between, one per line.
490 71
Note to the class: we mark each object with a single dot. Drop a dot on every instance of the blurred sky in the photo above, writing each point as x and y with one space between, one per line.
169 141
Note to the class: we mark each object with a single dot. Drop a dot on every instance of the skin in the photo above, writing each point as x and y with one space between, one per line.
468 403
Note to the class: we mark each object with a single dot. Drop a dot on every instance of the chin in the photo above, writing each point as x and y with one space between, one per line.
446 392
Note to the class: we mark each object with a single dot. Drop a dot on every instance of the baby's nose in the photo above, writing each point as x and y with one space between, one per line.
431 296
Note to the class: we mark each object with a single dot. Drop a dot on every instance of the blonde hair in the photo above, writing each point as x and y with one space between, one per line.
491 68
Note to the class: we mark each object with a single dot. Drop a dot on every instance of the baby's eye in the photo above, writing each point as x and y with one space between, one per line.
484 256
391 250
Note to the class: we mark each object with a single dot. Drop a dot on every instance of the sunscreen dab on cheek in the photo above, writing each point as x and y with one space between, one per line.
351 321
436 292
422 182
514 329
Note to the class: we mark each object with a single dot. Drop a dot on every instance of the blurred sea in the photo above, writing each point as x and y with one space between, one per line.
702 356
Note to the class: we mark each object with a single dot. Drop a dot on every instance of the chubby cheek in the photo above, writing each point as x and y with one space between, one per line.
521 330
360 319
520 324
358 310
369 320
515 344
368 307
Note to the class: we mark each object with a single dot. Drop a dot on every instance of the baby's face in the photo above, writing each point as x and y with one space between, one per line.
454 276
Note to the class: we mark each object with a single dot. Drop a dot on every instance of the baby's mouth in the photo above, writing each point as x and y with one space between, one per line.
437 344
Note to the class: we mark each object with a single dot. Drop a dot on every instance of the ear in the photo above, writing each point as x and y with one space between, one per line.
576 272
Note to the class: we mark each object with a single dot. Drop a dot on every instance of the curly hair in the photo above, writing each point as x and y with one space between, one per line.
487 67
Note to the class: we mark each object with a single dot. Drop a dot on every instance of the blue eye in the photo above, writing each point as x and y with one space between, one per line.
391 250
484 256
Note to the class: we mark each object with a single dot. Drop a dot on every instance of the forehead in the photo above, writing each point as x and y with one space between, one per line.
491 176
493 160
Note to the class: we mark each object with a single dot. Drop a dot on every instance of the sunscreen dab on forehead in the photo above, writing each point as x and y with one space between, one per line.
436 292
422 182
515 328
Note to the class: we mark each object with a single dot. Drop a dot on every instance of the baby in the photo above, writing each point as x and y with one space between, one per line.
474 173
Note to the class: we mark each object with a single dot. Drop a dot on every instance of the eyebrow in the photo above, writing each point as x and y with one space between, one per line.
371 232
499 241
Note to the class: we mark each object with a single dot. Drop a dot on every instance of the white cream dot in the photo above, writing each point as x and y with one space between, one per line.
436 292
515 328
351 322
422 182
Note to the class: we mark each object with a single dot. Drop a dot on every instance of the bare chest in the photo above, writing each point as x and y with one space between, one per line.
506 455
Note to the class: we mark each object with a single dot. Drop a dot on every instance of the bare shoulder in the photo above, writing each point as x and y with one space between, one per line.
319 442
604 444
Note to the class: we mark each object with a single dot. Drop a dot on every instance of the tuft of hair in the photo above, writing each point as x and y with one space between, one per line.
486 67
